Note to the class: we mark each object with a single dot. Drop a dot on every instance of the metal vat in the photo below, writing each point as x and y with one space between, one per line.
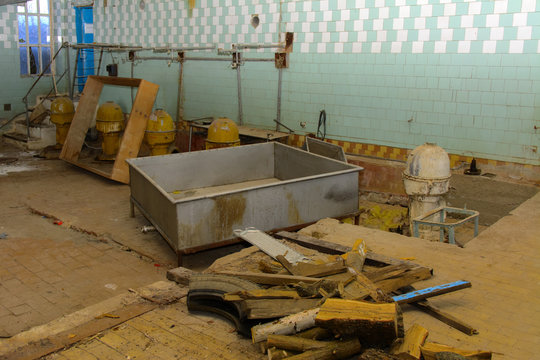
196 199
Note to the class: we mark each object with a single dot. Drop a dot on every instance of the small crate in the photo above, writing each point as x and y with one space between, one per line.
472 215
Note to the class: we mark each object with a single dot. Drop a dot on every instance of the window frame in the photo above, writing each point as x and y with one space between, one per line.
39 45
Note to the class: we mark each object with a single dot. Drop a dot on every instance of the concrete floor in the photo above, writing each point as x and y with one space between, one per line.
49 270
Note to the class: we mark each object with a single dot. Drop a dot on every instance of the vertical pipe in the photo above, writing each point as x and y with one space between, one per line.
27 120
75 72
68 69
99 63
278 114
240 115
132 72
179 105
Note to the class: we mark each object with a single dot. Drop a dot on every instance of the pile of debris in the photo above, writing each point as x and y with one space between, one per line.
341 302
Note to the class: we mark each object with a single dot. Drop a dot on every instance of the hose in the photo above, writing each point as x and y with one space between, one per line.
322 122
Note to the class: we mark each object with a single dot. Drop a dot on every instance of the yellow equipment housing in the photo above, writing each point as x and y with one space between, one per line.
222 132
160 132
62 112
110 123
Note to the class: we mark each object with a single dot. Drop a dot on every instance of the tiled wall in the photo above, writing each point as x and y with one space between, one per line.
463 74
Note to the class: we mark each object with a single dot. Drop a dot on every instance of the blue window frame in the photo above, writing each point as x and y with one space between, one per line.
35 36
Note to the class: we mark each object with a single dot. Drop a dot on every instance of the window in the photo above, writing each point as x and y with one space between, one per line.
34 23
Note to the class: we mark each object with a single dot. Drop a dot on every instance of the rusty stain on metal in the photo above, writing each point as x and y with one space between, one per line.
293 213
228 211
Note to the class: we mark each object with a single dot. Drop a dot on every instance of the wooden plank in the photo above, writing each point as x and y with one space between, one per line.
410 347
372 323
271 293
274 308
334 350
270 279
287 325
82 119
446 318
295 343
56 342
408 278
422 294
429 350
134 133
118 81
312 270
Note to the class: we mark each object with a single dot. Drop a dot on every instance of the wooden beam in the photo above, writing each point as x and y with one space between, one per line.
334 350
422 294
410 347
295 343
287 325
274 308
270 279
429 350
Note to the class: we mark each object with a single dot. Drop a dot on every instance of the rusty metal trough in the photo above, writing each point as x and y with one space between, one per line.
196 199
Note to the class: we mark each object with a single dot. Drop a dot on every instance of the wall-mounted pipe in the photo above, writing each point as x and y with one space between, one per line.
258 46
239 81
278 112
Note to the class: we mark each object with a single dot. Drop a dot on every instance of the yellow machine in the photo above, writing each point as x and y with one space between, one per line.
62 112
110 123
223 132
160 132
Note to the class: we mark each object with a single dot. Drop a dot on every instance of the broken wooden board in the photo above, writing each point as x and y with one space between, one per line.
270 293
429 350
312 270
422 294
446 318
296 343
269 245
371 323
410 347
133 134
291 324
270 279
334 350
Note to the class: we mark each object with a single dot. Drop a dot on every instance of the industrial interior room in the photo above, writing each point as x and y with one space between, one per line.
281 179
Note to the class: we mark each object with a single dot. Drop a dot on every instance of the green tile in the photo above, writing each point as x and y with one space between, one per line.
462 8
479 21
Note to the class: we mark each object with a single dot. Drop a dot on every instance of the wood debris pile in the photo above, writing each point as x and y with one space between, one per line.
346 304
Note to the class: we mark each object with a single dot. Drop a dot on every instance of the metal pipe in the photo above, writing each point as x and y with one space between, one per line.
27 119
258 59
206 59
179 105
257 46
278 112
239 81
43 72
168 58
68 69
131 87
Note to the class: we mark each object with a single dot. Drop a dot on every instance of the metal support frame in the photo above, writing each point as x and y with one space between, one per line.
450 227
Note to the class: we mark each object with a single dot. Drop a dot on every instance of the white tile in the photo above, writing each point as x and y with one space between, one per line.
379 3
294 16
310 16
516 47
501 6
378 24
291 6
426 10
364 14
442 22
471 34
307 5
358 25
520 19
345 15
306 27
422 2
492 20
396 47
496 33
420 23
357 47
323 5
384 13
304 48
321 48
398 24
338 48
528 5
308 37
447 34
343 36
524 32
323 27
362 36
464 47
381 35
475 8
325 37
450 9
467 21
404 11
327 15
360 4
489 47
423 35
342 4
400 2
340 25
417 47
376 47
289 27
401 35
440 47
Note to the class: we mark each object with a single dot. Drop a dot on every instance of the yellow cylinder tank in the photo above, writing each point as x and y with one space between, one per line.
160 132
223 132
110 123
62 112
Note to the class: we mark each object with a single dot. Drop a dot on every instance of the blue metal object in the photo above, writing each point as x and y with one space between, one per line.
418 295
450 227
84 24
